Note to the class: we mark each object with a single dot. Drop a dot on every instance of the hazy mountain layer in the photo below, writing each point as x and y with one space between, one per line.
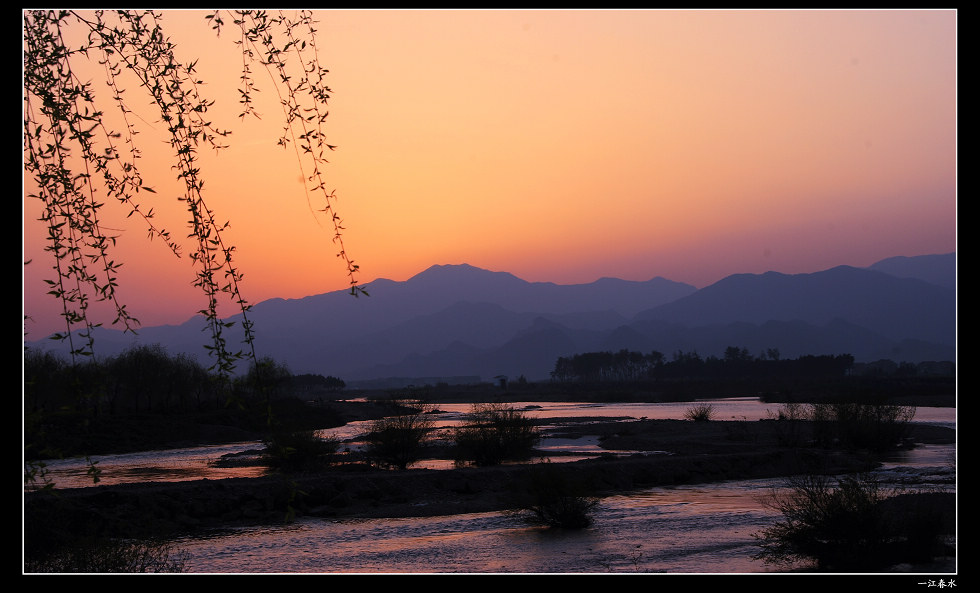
458 320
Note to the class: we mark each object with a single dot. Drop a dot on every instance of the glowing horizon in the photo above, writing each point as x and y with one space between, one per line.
568 145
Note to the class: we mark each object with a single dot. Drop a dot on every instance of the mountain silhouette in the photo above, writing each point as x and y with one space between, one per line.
460 320
896 308
936 269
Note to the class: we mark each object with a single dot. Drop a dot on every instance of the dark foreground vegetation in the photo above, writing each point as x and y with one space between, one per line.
825 426
853 523
147 399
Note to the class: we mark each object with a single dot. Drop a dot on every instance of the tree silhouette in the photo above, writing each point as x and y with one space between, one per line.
81 151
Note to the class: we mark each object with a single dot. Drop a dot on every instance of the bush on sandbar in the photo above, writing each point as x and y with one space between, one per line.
398 441
495 433
856 525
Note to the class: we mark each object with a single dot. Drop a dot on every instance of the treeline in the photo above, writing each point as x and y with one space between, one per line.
626 366
147 379
890 368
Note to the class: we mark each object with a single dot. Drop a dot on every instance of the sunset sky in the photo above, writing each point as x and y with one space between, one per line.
565 146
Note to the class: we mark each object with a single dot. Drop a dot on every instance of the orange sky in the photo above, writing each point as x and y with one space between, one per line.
565 146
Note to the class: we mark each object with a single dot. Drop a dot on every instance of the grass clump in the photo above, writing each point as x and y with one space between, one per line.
700 412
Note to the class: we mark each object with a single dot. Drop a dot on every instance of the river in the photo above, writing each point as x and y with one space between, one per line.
692 529
685 529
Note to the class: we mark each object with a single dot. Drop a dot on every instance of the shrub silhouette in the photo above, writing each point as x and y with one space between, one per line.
495 433
861 425
855 526
789 423
289 450
398 441
99 555
555 497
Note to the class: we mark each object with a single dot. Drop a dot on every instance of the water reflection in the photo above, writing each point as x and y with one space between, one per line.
697 529
201 462
704 528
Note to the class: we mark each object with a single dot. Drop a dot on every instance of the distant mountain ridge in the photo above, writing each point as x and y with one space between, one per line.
896 308
935 269
459 320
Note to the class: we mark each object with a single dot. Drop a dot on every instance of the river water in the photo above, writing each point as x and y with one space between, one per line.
685 529
691 529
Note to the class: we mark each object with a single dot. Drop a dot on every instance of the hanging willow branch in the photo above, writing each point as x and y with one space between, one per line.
77 161
303 99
